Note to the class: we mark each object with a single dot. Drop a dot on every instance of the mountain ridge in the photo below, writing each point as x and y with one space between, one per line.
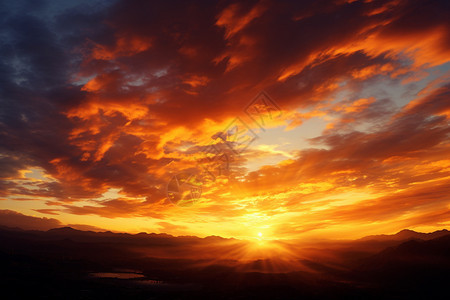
406 234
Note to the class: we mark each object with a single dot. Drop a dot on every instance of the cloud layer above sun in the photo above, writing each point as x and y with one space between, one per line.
104 103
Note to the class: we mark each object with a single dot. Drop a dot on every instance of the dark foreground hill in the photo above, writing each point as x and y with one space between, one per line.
72 264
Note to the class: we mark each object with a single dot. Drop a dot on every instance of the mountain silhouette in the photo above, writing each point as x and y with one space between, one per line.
63 263
407 234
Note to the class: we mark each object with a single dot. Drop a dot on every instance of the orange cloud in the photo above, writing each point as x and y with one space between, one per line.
234 20
125 45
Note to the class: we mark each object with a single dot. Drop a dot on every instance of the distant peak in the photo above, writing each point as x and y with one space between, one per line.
63 229
407 234
406 231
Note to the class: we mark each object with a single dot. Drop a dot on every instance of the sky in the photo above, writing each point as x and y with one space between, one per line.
256 119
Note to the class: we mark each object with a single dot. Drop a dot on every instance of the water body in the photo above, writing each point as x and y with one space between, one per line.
118 275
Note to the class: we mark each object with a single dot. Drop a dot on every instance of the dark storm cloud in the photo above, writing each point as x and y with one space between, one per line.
35 67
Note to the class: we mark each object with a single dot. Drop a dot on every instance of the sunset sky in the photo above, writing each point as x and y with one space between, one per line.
293 119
